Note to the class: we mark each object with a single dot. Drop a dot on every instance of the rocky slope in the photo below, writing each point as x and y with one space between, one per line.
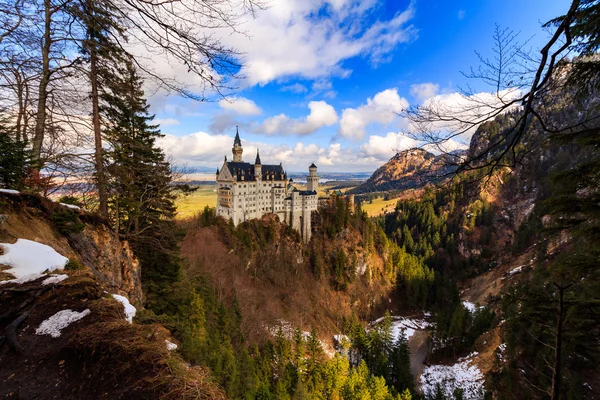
84 239
66 328
409 169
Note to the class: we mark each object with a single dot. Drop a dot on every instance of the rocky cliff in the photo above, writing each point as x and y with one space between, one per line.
83 238
409 169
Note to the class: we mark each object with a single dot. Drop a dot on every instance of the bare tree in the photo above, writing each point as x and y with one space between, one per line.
519 83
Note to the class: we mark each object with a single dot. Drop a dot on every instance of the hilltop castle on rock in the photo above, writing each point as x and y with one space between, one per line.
246 191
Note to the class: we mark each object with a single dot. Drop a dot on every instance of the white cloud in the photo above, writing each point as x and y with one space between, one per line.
203 149
311 39
166 121
321 114
240 105
424 91
382 109
384 147
461 14
459 112
295 88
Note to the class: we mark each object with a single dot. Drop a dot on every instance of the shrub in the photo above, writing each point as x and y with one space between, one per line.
67 222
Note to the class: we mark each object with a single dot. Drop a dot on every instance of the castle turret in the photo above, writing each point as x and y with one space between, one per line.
237 147
312 179
257 167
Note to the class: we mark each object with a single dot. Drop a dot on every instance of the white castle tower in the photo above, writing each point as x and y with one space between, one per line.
247 191
237 149
312 180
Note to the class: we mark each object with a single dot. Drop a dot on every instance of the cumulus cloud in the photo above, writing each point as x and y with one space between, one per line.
424 91
203 149
311 39
384 147
454 114
382 109
240 105
321 114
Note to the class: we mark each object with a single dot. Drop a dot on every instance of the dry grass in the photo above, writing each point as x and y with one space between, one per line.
136 356
379 206
190 205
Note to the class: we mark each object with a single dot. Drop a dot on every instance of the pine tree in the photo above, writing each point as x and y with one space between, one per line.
15 161
103 55
401 378
141 196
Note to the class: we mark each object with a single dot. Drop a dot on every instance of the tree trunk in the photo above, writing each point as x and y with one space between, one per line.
40 123
20 101
558 343
99 157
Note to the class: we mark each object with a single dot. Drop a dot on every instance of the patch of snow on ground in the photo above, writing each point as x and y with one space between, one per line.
170 345
409 326
470 306
73 206
59 321
500 352
516 270
130 310
54 279
10 191
286 329
25 279
27 257
450 377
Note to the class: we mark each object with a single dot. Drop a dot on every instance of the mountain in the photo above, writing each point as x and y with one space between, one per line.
409 169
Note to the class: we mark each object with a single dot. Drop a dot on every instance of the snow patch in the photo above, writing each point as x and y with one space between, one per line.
170 345
470 306
9 191
516 270
27 257
25 279
461 375
54 279
59 321
72 206
500 352
408 326
130 310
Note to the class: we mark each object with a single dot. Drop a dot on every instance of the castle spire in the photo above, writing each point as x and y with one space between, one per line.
237 149
237 137
257 162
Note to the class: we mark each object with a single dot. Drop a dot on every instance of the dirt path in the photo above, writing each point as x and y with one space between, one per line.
419 348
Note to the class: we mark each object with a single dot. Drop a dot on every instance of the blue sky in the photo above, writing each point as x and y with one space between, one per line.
325 78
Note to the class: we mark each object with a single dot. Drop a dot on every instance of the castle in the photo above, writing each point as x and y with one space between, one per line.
246 191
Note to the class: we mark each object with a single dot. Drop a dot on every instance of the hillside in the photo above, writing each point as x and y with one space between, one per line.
409 169
65 287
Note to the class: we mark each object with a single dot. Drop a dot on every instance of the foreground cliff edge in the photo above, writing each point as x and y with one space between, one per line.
69 289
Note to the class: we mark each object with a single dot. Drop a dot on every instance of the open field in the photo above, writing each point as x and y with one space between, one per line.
188 206
379 206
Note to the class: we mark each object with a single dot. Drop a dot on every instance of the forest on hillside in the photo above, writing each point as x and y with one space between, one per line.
75 124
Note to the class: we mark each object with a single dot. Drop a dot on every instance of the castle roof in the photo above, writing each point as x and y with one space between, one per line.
239 169
237 138
257 162
312 165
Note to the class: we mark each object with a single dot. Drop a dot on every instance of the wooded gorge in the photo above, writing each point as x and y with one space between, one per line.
494 263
